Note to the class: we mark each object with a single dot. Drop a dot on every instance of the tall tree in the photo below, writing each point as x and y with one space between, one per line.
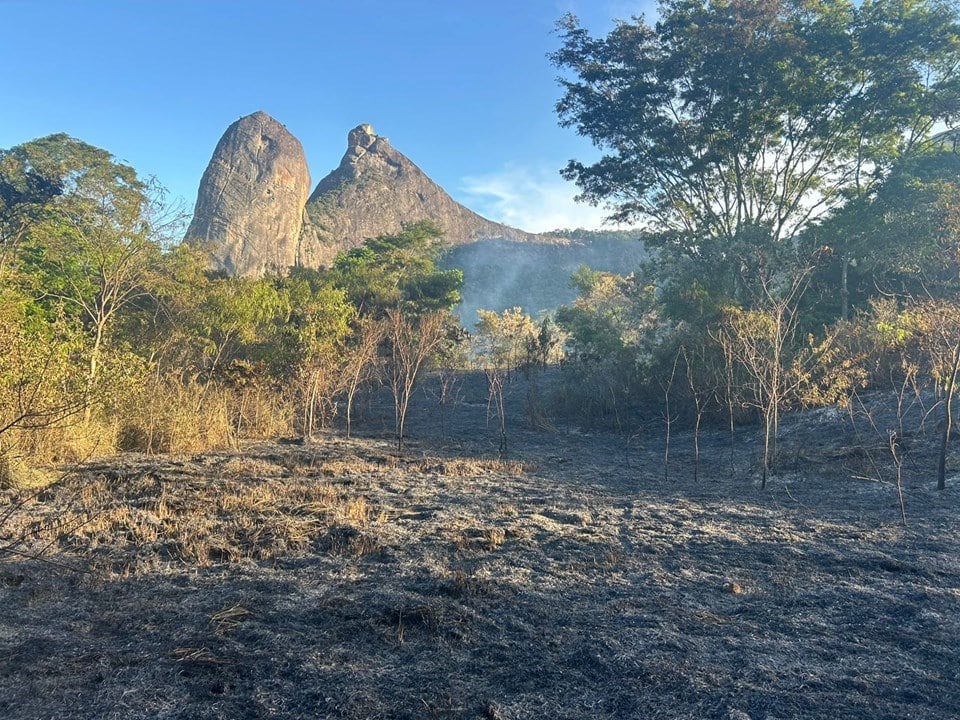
729 125
31 176
403 301
412 340
92 249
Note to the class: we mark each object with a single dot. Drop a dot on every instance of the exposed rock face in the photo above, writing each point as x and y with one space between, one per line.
250 205
373 192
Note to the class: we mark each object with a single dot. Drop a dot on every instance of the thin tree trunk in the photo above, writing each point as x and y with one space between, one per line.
668 419
898 463
948 420
767 420
93 369
845 290
696 446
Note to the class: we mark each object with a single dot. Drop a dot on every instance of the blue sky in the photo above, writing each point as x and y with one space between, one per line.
462 87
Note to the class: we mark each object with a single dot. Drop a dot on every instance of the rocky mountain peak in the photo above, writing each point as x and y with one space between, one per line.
254 217
374 191
250 204
360 138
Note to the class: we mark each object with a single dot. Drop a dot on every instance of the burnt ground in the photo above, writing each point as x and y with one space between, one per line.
568 579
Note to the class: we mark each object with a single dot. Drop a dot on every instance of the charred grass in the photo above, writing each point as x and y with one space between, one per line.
343 580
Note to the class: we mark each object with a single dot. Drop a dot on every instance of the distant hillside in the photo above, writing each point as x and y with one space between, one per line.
606 235
500 274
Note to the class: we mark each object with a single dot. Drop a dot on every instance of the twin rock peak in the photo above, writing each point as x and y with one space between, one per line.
255 213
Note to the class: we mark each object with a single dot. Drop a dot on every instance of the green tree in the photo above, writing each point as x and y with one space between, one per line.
41 389
612 330
507 340
730 125
398 270
403 300
233 324
316 335
611 314
92 249
504 342
902 238
31 176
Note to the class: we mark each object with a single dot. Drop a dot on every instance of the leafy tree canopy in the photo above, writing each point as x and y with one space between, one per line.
902 238
90 235
398 270
728 126
612 314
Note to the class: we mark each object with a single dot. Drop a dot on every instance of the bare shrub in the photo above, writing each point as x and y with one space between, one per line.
412 340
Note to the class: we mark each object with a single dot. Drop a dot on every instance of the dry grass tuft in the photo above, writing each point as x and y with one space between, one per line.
351 467
197 656
230 617
251 467
347 540
464 584
495 538
468 467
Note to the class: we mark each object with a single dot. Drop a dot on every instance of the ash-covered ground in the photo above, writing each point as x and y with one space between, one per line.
570 578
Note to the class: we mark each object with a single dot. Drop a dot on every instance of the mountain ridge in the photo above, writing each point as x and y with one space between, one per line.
255 215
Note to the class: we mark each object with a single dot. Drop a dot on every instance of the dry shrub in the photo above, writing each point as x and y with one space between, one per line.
173 416
26 455
43 389
537 416
15 473
260 412
76 442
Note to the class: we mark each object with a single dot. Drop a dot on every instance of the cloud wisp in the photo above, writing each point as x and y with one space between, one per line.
531 199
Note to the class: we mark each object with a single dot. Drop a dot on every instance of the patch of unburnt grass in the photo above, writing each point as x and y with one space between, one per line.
464 582
246 510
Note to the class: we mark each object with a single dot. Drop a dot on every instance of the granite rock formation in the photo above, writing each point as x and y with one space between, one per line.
373 192
250 206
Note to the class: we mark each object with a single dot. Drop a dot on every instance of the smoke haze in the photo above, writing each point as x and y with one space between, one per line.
501 274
